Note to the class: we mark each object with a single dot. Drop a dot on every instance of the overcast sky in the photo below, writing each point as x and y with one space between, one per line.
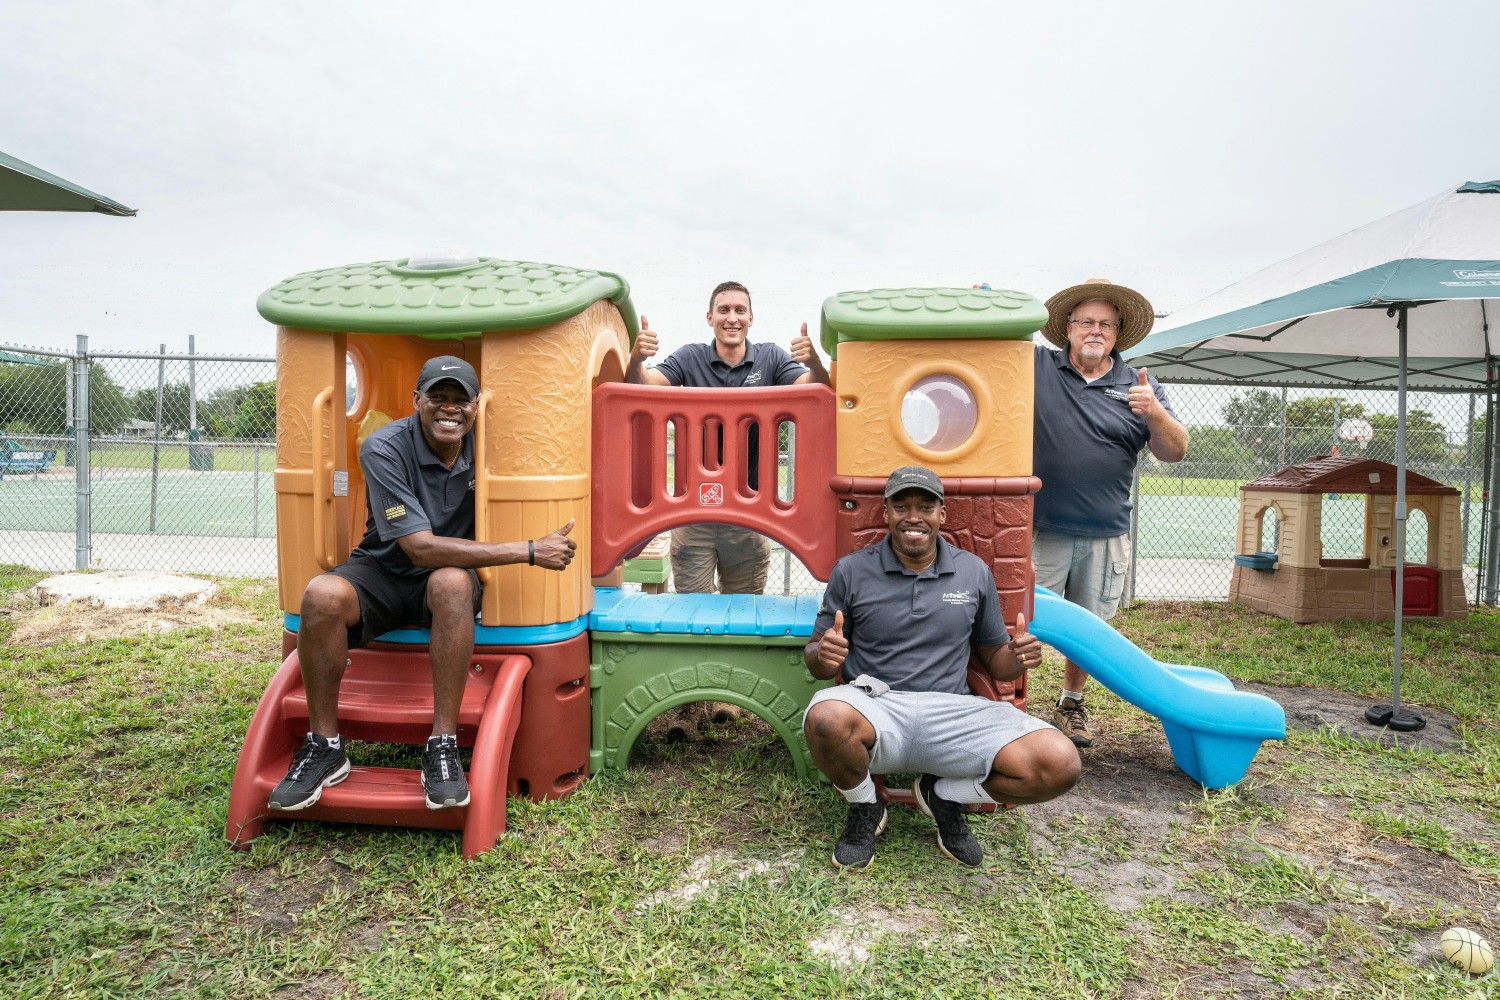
804 148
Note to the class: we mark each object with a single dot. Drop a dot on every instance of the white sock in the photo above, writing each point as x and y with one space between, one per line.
334 742
967 790
1075 695
862 792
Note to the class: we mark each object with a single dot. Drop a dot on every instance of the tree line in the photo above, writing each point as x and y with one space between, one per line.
33 400
1251 436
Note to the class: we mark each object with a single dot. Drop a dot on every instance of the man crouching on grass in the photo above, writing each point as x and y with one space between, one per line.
898 622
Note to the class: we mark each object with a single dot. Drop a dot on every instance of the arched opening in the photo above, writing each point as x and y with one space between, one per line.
1418 542
1269 529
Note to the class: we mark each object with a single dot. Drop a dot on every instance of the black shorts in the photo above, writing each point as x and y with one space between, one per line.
388 602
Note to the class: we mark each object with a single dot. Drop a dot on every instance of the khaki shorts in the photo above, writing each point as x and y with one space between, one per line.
1090 572
740 557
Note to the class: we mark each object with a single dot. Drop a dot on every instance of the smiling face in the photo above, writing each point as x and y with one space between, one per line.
914 517
1093 328
729 315
447 414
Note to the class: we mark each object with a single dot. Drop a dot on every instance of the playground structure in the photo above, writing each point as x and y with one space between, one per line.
565 675
1281 568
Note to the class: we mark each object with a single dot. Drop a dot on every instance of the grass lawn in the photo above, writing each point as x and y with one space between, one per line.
1330 871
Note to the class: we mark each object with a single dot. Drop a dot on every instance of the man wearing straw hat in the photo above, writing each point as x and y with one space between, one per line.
1093 415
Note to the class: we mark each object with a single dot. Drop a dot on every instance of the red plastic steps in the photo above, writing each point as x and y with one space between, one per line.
386 697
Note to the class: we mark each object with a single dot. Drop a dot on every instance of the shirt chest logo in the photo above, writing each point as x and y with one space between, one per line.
753 378
960 597
1117 394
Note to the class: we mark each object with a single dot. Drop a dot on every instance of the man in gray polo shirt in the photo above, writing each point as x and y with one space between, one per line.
739 557
899 622
415 565
1093 414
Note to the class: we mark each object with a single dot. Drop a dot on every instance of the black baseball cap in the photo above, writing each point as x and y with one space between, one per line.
449 368
913 477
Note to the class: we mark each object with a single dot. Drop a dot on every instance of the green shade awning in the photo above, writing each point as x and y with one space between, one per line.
25 188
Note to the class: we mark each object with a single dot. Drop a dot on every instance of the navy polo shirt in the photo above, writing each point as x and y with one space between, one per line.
1085 442
409 489
913 631
699 366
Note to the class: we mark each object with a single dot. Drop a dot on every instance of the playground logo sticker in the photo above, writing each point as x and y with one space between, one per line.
711 494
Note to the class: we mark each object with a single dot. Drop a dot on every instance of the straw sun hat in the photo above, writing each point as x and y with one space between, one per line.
1136 315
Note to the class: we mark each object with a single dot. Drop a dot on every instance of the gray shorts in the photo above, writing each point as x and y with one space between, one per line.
1089 572
931 732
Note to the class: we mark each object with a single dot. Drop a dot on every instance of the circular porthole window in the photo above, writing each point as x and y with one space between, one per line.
939 413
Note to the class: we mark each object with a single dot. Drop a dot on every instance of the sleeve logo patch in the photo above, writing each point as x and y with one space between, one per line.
395 512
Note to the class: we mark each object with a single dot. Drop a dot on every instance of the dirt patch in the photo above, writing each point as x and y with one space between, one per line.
854 932
1317 709
41 625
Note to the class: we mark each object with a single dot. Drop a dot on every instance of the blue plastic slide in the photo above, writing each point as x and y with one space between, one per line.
1213 729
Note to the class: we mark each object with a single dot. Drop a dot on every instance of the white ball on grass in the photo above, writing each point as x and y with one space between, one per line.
1467 950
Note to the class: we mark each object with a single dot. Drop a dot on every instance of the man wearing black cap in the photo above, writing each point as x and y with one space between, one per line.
415 564
899 622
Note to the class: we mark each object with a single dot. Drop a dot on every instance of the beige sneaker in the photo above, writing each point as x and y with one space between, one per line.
1073 719
725 713
689 722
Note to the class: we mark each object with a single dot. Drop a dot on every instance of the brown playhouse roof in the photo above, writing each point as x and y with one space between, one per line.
1345 474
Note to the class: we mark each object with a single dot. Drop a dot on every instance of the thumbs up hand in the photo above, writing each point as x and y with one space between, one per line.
1025 647
1142 397
833 650
645 342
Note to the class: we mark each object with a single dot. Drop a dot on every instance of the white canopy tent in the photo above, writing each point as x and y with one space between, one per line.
1406 301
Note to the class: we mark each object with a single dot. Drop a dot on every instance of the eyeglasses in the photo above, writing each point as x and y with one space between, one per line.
1105 325
443 399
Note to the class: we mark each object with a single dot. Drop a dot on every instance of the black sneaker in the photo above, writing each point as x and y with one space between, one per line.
315 766
954 837
442 775
856 848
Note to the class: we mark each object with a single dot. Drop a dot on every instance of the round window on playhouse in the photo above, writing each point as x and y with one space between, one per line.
939 412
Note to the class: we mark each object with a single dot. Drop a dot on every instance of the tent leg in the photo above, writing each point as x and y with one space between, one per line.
1393 716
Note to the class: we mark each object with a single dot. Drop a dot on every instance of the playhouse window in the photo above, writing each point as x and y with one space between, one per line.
1270 530
1343 532
1418 550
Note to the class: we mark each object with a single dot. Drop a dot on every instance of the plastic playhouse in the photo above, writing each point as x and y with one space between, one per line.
1282 568
566 675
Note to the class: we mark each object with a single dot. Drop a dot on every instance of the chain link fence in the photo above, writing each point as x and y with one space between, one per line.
138 461
180 452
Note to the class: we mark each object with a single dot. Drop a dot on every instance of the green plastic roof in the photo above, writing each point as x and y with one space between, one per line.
930 314
388 297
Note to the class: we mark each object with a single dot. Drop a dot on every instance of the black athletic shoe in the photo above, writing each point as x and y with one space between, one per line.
856 848
315 766
442 775
954 837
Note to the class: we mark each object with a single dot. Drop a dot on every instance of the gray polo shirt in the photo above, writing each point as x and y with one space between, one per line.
409 489
1085 442
913 631
699 366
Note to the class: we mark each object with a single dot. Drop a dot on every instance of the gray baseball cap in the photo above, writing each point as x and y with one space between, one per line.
445 368
913 477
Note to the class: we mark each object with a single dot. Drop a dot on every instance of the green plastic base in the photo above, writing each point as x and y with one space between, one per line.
635 677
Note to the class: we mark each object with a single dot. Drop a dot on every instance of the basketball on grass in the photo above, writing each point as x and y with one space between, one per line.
1467 950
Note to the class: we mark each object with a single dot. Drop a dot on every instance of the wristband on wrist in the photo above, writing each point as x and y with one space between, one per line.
530 552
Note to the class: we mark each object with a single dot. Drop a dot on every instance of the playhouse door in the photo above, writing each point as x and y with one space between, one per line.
1419 596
